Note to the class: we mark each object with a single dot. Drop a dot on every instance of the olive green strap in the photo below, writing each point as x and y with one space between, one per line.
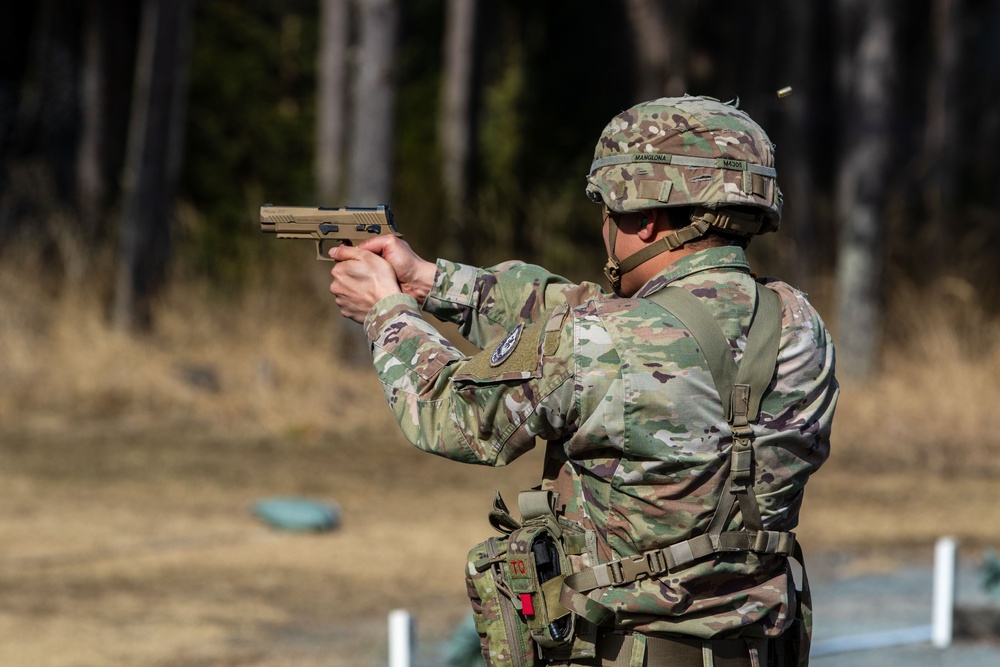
761 355
755 372
656 562
684 161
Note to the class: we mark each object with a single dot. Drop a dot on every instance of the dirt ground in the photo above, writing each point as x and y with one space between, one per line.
137 546
129 466
140 548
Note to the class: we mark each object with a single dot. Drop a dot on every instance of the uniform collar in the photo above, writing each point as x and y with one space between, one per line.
726 258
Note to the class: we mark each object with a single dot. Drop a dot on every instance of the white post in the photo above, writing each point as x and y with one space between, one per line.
944 592
401 638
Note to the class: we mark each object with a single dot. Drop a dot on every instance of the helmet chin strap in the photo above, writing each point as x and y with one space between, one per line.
614 269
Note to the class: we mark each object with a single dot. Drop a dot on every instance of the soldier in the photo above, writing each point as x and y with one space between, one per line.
683 413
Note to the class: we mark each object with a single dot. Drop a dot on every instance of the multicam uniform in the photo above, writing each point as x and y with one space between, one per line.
621 388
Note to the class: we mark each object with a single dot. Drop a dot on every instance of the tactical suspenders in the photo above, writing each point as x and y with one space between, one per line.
741 388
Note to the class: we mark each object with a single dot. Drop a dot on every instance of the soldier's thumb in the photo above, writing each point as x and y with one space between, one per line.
345 252
377 244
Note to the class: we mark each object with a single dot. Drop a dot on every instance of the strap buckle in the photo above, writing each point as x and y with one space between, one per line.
616 571
613 272
741 474
633 568
655 562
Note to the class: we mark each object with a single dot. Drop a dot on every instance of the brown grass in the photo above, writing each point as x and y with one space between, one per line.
129 465
932 409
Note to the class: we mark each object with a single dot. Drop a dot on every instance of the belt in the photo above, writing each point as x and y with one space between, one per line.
620 649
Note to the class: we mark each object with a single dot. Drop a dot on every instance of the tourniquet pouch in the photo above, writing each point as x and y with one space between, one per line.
504 636
514 582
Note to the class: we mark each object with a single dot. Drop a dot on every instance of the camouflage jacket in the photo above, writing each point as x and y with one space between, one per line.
629 408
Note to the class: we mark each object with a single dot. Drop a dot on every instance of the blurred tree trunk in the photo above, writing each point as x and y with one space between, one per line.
373 104
795 137
373 129
108 53
455 124
14 50
939 137
41 151
90 181
659 73
866 69
499 199
152 165
332 95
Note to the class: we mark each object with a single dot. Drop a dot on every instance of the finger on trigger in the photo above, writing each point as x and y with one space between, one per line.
376 244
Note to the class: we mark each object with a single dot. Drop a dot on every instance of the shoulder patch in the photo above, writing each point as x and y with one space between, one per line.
506 346
516 357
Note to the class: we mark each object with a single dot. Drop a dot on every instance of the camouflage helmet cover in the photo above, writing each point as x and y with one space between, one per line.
685 151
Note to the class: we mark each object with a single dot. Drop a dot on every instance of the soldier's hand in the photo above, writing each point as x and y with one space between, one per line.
415 274
360 280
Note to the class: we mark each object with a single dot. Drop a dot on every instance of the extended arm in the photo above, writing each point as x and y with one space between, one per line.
487 303
484 303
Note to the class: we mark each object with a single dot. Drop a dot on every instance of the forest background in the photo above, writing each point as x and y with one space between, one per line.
151 337
137 140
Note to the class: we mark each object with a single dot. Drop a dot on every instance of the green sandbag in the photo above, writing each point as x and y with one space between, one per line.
297 514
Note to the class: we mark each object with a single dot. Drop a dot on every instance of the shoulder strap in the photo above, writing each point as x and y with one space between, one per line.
761 353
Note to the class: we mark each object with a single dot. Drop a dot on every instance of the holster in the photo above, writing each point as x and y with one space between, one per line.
514 582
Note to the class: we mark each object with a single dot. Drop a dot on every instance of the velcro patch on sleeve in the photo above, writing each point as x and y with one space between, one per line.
516 356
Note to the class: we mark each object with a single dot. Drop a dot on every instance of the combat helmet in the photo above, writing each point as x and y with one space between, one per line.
685 152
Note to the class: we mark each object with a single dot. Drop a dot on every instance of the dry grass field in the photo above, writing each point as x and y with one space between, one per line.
128 467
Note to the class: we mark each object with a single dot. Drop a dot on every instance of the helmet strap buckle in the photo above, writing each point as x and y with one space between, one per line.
614 275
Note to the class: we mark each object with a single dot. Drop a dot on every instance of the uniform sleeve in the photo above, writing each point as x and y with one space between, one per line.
486 409
798 410
487 303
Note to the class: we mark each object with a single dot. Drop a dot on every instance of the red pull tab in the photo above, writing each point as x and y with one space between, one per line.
527 607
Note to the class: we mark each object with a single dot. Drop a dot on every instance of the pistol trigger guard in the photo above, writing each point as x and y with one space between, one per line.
322 253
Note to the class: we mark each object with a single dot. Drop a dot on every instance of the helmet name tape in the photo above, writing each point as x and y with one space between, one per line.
684 161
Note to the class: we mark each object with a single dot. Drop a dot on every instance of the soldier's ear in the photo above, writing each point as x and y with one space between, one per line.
647 225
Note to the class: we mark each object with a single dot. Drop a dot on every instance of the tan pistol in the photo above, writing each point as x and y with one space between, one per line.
328 227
